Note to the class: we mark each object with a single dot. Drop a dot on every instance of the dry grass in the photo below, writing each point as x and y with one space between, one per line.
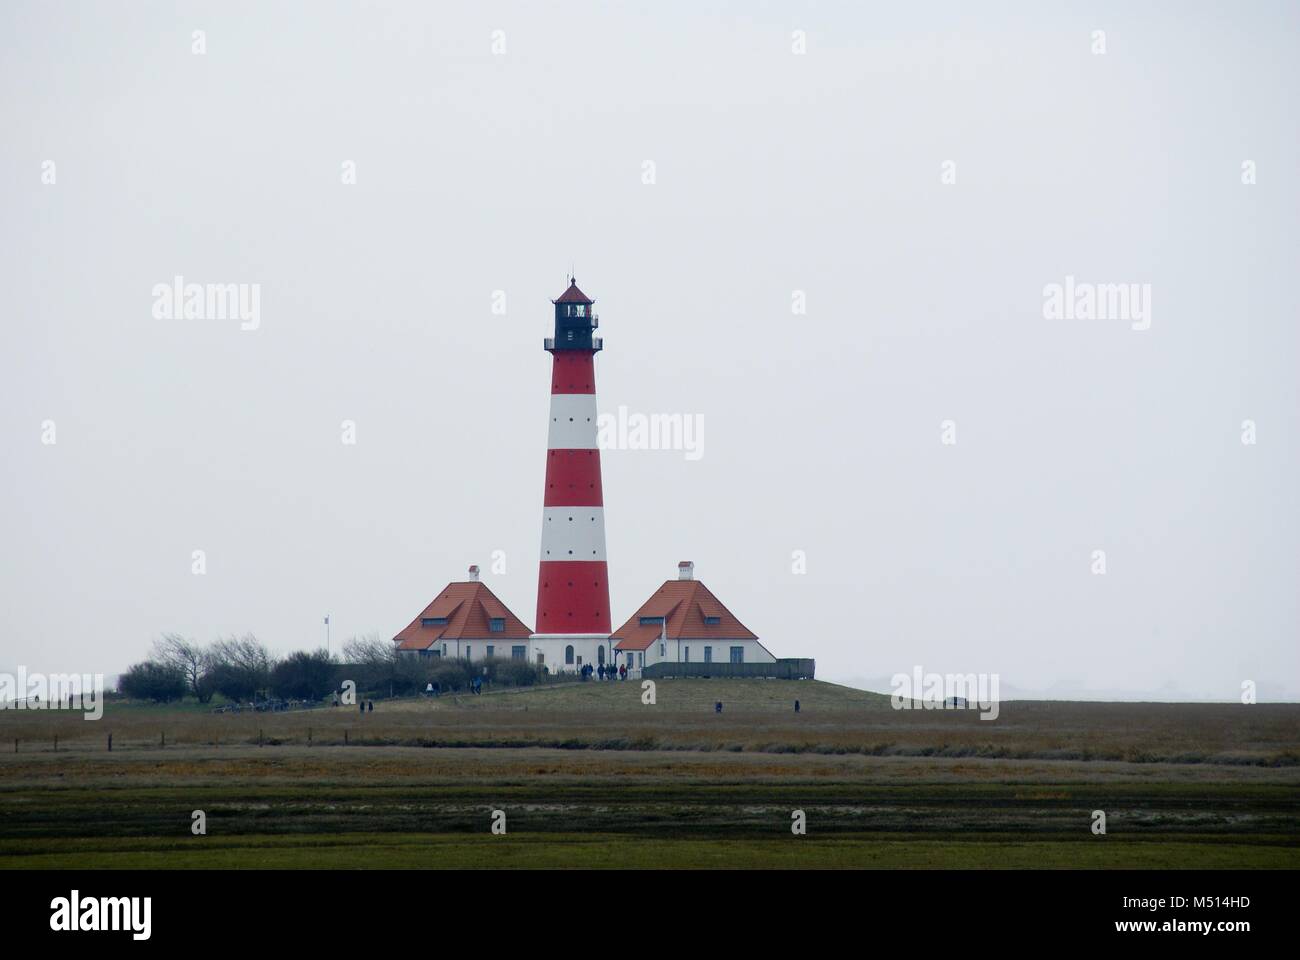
758 717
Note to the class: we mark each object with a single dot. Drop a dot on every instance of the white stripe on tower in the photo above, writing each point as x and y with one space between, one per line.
573 422
573 533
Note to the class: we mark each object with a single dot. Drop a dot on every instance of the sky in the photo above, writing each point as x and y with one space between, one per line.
823 232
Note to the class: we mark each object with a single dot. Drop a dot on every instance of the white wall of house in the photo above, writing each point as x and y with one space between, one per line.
475 650
632 659
587 649
712 650
490 647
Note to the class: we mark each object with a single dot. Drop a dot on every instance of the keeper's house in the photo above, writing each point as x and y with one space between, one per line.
465 621
683 622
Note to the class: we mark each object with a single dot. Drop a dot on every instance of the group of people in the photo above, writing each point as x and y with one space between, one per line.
603 672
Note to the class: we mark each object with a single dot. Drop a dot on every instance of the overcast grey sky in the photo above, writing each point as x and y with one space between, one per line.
774 172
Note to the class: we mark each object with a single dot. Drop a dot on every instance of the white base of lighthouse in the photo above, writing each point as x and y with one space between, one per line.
570 652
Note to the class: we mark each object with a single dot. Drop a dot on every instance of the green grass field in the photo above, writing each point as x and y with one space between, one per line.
405 851
588 776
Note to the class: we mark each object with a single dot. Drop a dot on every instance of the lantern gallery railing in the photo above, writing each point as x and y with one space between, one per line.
596 344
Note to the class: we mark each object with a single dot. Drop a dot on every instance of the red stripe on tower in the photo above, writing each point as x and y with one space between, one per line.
573 620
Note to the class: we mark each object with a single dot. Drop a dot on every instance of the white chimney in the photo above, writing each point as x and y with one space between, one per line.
473 573
686 570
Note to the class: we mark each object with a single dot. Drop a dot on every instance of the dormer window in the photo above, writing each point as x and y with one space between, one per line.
652 621
712 621
497 624
433 621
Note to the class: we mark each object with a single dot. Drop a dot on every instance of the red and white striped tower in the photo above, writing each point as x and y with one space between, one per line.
573 621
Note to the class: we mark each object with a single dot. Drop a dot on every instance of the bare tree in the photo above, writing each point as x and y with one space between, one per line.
373 662
242 666
193 660
246 653
370 650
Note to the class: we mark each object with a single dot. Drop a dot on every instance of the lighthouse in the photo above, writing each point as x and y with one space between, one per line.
573 620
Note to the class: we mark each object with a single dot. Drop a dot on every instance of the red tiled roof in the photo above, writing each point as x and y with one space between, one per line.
574 295
710 607
467 607
685 603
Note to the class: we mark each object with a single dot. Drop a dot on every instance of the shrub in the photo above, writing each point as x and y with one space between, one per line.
159 682
449 674
304 676
234 683
513 673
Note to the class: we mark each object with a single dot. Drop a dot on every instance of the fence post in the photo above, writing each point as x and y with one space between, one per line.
345 736
15 744
110 743
162 738
259 736
56 743
309 736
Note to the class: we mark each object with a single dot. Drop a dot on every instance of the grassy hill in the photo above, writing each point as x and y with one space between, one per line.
758 716
673 696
